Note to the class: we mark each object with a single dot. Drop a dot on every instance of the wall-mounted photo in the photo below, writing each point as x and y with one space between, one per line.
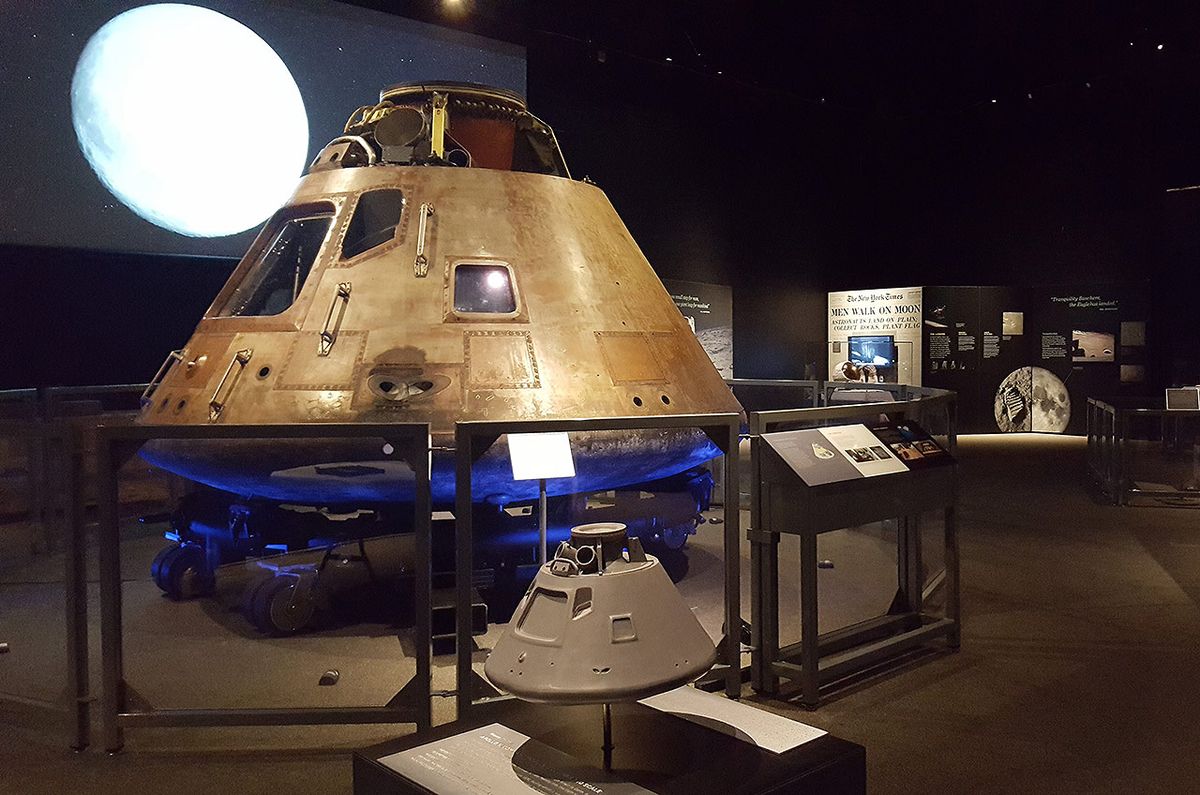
1092 346
1032 399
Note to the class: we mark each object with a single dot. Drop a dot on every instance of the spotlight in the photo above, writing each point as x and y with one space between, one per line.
993 101
1159 47
669 58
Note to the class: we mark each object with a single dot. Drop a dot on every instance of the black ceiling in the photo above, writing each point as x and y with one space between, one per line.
895 57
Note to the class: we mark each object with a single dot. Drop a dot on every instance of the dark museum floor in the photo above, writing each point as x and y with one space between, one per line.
1076 674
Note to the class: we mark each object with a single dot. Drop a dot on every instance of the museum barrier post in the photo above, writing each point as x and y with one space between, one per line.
116 444
63 448
472 439
808 512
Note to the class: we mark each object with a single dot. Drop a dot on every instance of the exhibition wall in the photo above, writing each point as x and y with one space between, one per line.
709 312
1019 358
1027 359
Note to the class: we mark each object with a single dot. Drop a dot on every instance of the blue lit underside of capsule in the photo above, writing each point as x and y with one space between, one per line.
600 465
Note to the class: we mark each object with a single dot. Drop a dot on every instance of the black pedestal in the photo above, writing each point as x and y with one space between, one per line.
655 750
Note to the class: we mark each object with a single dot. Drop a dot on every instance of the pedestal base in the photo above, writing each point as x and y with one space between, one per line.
652 749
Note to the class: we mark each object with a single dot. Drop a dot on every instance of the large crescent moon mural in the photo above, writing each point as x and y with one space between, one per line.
174 105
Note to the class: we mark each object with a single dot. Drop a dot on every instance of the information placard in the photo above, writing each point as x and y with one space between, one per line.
832 455
765 730
540 456
497 760
912 444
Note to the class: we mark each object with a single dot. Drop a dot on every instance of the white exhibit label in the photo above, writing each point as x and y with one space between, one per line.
497 760
540 456
863 450
766 730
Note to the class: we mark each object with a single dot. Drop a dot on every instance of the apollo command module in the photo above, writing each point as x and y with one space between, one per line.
436 263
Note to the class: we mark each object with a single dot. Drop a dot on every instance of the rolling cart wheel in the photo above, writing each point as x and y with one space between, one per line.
277 609
247 603
676 537
185 573
160 564
744 631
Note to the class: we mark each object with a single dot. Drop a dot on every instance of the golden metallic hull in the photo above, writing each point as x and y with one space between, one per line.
593 333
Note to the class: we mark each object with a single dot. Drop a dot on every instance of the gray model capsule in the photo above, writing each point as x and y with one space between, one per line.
599 624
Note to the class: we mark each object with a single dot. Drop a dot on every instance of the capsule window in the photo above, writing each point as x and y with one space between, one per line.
281 265
376 216
480 288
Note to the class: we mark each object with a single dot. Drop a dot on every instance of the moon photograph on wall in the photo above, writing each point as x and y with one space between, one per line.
1032 399
189 118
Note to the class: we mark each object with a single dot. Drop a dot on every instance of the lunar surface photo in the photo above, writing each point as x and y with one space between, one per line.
165 99
718 344
1092 346
1032 399
1012 323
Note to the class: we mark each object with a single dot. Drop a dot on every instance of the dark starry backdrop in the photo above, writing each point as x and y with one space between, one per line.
339 56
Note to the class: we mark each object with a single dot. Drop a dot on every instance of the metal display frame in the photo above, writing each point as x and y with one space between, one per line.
826 657
54 398
811 390
57 502
473 438
116 444
1109 422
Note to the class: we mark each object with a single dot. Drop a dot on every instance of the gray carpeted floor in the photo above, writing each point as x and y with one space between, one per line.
1077 672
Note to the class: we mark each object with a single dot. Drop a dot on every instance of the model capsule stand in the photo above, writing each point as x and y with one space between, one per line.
601 622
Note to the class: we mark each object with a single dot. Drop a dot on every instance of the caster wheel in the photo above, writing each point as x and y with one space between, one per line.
184 573
247 602
160 564
277 609
744 631
676 537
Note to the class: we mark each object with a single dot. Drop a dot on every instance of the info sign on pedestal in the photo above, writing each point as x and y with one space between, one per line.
540 457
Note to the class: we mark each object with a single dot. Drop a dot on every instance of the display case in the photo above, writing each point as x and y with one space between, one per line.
811 481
